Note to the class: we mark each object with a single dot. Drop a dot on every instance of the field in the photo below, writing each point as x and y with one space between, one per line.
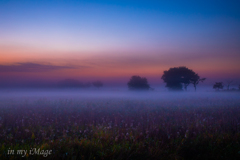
121 127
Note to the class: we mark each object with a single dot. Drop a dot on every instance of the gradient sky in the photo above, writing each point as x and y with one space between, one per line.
113 40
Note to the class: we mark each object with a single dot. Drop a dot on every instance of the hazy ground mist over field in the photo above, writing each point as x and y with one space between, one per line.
165 96
148 124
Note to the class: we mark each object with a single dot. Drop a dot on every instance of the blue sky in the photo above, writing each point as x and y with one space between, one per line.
119 38
120 24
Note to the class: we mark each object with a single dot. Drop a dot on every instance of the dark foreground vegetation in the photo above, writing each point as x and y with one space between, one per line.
120 129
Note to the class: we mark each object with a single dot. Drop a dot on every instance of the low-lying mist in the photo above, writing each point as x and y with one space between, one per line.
116 94
120 123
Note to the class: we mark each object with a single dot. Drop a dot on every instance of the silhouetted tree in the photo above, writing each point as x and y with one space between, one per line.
178 76
173 79
97 84
218 85
138 83
195 80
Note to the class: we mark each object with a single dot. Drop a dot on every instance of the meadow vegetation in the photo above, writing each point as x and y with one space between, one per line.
121 128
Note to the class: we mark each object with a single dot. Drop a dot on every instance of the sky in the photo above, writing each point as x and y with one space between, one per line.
114 40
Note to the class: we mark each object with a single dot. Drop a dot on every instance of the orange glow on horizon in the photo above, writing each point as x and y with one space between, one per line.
107 66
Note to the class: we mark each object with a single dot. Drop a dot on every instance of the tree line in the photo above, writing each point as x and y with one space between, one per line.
219 86
175 78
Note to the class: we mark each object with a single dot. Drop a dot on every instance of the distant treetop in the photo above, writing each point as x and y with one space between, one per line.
177 77
138 83
218 85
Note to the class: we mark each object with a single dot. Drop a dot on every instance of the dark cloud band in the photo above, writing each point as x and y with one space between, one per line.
34 67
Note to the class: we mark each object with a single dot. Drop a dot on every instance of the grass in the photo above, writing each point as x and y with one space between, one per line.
121 129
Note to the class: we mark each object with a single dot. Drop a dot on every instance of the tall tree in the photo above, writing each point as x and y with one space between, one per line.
195 80
186 76
177 77
173 79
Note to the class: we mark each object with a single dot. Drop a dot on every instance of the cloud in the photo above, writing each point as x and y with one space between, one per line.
34 67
